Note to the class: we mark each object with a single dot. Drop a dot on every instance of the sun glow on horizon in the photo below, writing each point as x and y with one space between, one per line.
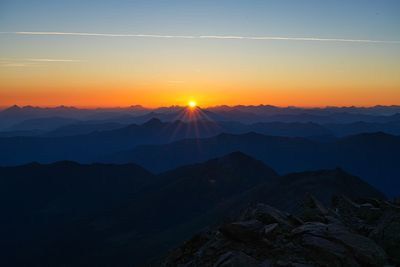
192 104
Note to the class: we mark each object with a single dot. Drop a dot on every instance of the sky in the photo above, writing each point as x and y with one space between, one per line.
168 52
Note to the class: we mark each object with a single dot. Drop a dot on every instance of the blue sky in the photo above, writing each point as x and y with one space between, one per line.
339 18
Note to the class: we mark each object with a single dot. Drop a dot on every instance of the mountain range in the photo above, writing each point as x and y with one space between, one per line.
34 118
106 215
125 186
283 154
160 146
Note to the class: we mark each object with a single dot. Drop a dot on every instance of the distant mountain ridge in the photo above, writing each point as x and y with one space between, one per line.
11 116
59 126
160 145
87 147
372 156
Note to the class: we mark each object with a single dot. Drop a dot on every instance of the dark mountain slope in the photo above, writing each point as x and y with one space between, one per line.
141 226
267 148
283 154
38 200
323 184
184 201
120 215
287 193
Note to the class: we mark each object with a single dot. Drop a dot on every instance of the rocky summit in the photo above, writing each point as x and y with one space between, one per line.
365 232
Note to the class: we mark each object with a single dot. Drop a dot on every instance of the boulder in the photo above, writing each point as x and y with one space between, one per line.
387 234
344 205
366 233
287 263
268 215
326 252
313 210
270 229
369 213
236 259
340 244
245 231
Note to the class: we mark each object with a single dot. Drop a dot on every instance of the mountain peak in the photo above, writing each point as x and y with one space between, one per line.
236 155
239 162
13 108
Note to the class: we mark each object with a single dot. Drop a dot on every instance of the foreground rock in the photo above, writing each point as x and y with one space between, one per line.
362 233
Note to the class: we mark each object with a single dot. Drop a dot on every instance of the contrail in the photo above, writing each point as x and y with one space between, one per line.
40 60
52 60
29 62
221 37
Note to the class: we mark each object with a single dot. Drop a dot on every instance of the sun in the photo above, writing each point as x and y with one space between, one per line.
192 104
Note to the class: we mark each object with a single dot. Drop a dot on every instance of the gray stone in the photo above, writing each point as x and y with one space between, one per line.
387 234
365 250
364 234
270 229
332 238
269 215
245 231
369 213
236 259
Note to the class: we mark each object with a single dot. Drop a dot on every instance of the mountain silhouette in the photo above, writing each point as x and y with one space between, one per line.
283 154
179 143
123 215
82 129
245 114
89 147
43 124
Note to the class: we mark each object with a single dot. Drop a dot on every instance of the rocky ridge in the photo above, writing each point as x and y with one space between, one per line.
365 232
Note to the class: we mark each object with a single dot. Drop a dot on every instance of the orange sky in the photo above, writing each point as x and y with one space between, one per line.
43 87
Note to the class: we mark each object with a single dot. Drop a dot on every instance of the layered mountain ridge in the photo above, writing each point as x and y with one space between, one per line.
122 215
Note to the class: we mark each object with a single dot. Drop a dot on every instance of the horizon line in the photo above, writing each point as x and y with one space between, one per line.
217 37
3 107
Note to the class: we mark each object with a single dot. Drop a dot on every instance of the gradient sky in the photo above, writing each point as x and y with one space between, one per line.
363 68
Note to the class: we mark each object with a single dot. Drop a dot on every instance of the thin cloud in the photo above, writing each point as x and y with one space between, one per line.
221 37
31 62
13 65
53 60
